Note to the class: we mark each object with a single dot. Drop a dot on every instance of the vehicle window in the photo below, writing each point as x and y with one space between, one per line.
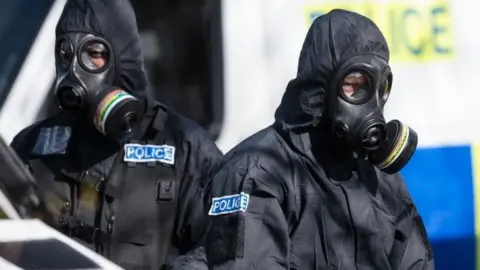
20 21
183 56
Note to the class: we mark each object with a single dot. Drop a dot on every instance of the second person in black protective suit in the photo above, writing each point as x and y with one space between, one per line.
125 175
319 189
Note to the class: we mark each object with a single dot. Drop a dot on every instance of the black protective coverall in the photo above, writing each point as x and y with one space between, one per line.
306 210
139 215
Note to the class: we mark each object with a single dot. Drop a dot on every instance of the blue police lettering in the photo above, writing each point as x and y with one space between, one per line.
414 32
438 29
415 50
229 204
149 153
141 152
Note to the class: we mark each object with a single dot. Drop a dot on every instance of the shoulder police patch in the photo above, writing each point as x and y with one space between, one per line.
229 204
144 153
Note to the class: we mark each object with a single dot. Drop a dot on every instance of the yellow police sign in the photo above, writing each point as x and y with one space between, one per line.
414 31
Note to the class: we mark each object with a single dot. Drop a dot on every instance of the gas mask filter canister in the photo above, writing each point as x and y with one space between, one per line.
397 150
117 113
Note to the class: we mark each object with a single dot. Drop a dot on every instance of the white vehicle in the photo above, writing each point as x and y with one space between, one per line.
229 75
30 244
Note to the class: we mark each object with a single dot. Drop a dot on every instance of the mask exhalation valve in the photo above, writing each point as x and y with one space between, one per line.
70 99
374 136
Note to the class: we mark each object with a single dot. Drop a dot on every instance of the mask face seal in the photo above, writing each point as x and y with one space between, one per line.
85 78
360 90
357 111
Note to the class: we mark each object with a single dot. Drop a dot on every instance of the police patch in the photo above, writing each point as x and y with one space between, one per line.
52 140
229 204
144 153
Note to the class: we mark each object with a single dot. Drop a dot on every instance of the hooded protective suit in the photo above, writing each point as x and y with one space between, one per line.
291 197
139 200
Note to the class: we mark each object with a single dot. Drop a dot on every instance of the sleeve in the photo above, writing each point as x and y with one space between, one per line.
248 228
201 154
20 141
411 249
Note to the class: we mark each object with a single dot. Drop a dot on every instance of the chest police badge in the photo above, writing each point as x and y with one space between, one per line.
145 153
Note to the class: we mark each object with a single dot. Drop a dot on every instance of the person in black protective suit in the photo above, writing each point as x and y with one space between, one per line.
320 188
126 175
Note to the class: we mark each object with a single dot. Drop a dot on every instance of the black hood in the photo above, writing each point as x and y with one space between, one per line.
115 21
332 38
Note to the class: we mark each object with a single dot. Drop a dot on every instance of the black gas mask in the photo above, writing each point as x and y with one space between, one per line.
360 90
86 75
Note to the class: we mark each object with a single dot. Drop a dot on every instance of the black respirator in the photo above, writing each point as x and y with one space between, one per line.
86 73
361 89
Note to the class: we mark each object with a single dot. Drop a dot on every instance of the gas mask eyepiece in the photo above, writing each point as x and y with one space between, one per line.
395 152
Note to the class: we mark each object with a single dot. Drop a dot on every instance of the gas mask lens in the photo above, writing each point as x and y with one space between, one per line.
385 88
94 55
355 87
64 52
